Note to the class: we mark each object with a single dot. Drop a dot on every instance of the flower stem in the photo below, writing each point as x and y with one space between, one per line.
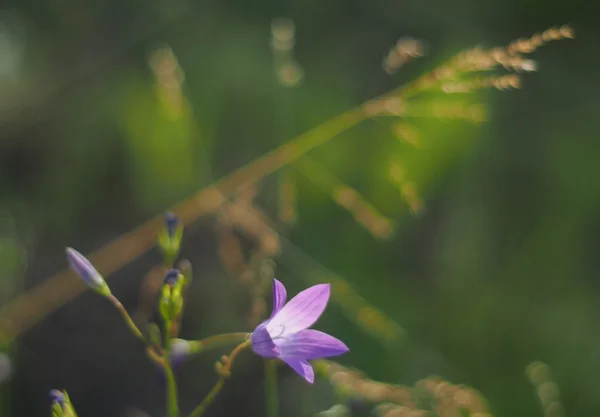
135 330
210 397
271 388
171 390
171 394
128 320
218 340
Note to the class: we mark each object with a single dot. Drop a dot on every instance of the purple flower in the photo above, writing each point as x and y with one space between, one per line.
286 334
87 272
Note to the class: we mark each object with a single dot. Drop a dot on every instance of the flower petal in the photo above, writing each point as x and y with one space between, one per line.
262 344
311 344
302 368
301 312
279 297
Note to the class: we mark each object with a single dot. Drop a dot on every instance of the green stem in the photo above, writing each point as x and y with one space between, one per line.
171 388
128 321
216 341
271 388
135 330
169 260
210 397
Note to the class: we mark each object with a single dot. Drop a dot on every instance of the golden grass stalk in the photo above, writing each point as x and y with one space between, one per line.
32 306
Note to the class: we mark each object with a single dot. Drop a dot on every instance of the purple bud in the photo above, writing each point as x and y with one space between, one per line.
171 223
57 396
86 270
172 277
178 351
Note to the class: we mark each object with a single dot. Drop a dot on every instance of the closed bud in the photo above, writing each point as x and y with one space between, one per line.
185 266
173 277
169 238
61 404
87 272
171 299
178 351
171 224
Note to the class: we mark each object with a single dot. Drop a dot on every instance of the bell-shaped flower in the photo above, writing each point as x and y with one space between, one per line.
286 334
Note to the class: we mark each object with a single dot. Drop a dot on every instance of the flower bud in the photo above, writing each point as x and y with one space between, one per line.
169 238
87 272
57 397
171 299
171 224
185 266
61 404
178 350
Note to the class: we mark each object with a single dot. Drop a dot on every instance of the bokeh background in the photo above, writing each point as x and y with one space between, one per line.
498 269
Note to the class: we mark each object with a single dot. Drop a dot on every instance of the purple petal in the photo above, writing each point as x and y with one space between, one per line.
302 368
301 312
311 344
279 297
262 344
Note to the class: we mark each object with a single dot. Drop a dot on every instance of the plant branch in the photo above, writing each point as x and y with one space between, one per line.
171 385
225 372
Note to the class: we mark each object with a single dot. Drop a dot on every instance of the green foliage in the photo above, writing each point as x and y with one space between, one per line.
496 270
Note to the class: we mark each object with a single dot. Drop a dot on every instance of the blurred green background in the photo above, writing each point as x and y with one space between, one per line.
499 269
